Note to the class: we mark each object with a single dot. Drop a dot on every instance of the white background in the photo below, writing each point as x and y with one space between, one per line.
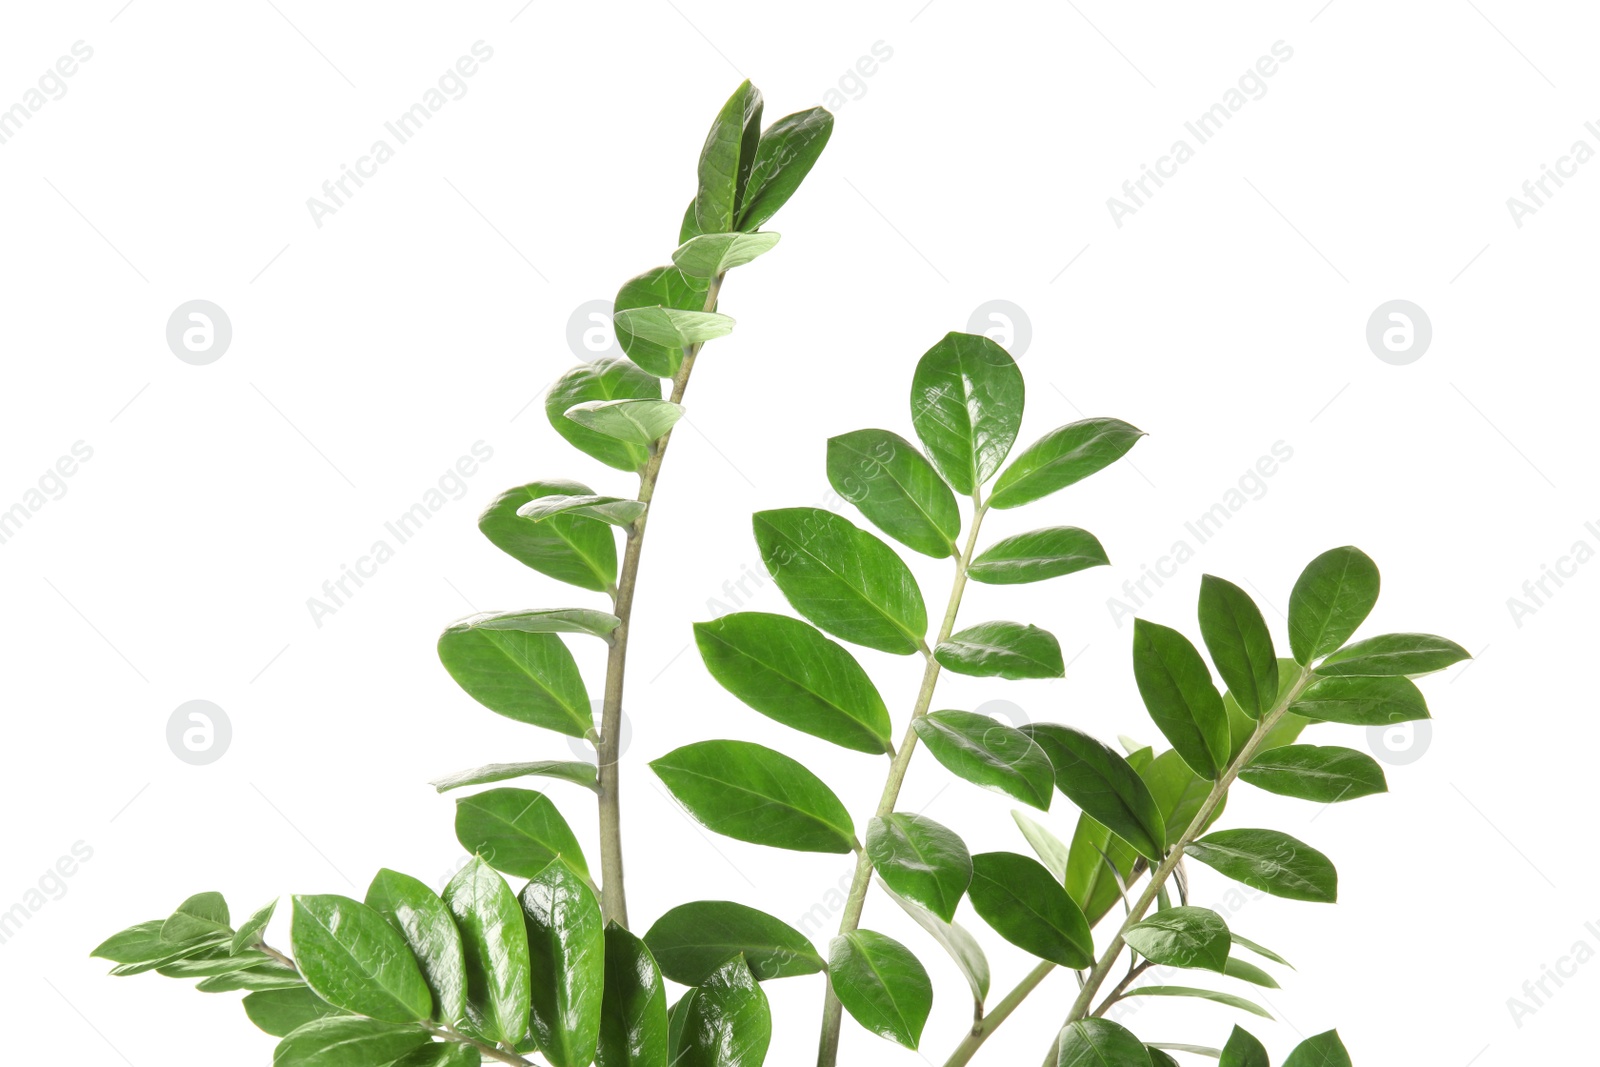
368 354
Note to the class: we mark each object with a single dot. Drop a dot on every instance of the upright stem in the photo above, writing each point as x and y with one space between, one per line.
832 1010
613 896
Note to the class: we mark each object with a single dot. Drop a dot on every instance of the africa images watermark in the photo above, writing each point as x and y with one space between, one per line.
1536 992
1252 85
51 885
1537 592
1537 190
52 85
52 485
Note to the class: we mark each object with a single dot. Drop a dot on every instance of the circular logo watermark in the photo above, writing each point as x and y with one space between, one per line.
590 334
198 732
1399 332
199 332
1004 323
1005 710
582 749
1400 743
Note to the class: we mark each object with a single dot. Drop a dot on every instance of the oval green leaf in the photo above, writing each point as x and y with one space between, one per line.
494 942
672 328
1025 905
280 1012
606 378
340 1041
1002 649
728 153
1064 456
881 984
1099 1043
1097 779
728 1023
1333 596
1243 1050
921 860
1236 636
1182 937
575 550
566 953
1037 555
1270 861
633 422
517 831
529 677
784 156
966 406
353 959
1324 1050
657 287
1359 701
419 916
1394 655
710 254
633 1012
1321 773
990 754
1180 696
896 488
692 942
752 793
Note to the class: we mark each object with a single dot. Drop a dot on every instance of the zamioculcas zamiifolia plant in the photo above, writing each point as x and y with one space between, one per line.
553 975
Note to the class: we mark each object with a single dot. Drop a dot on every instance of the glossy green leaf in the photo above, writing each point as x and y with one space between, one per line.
896 488
634 422
729 150
657 287
842 578
962 948
990 754
618 511
202 915
253 929
1099 866
517 831
921 860
1097 779
727 1024
1180 696
571 549
341 1041
420 917
1332 596
575 771
263 977
1037 555
672 328
1064 456
1259 950
1053 852
1182 937
606 378
710 254
786 670
1178 793
441 1054
1324 1050
752 793
545 621
881 984
1212 995
966 406
1249 972
1026 905
1393 655
1236 636
1322 773
1158 1058
494 941
280 1012
352 958
1243 1050
783 157
1359 701
1099 1043
1270 861
633 1011
692 941
1002 650
529 677
566 951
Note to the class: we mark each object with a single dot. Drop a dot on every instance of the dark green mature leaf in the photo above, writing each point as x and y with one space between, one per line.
921 860
1098 780
1025 905
633 422
1362 701
1179 793
618 511
671 328
1270 861
1064 456
962 947
752 793
881 984
657 287
723 157
1324 1050
1243 1050
1037 555
966 406
578 551
1202 994
727 1024
1178 692
842 578
352 958
1051 850
1324 773
202 915
441 1054
280 1012
494 941
566 952
895 487
1249 972
1099 1043
574 771
420 917
1182 937
517 831
529 677
786 670
1002 650
1236 636
1099 866
708 255
1332 596
692 942
1158 1058
633 1012
1390 655
607 378
990 754
341 1041
783 157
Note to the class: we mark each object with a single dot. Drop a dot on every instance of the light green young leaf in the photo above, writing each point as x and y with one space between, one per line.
1202 994
618 511
710 254
658 287
606 378
672 328
544 621
1051 850
634 422
574 771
